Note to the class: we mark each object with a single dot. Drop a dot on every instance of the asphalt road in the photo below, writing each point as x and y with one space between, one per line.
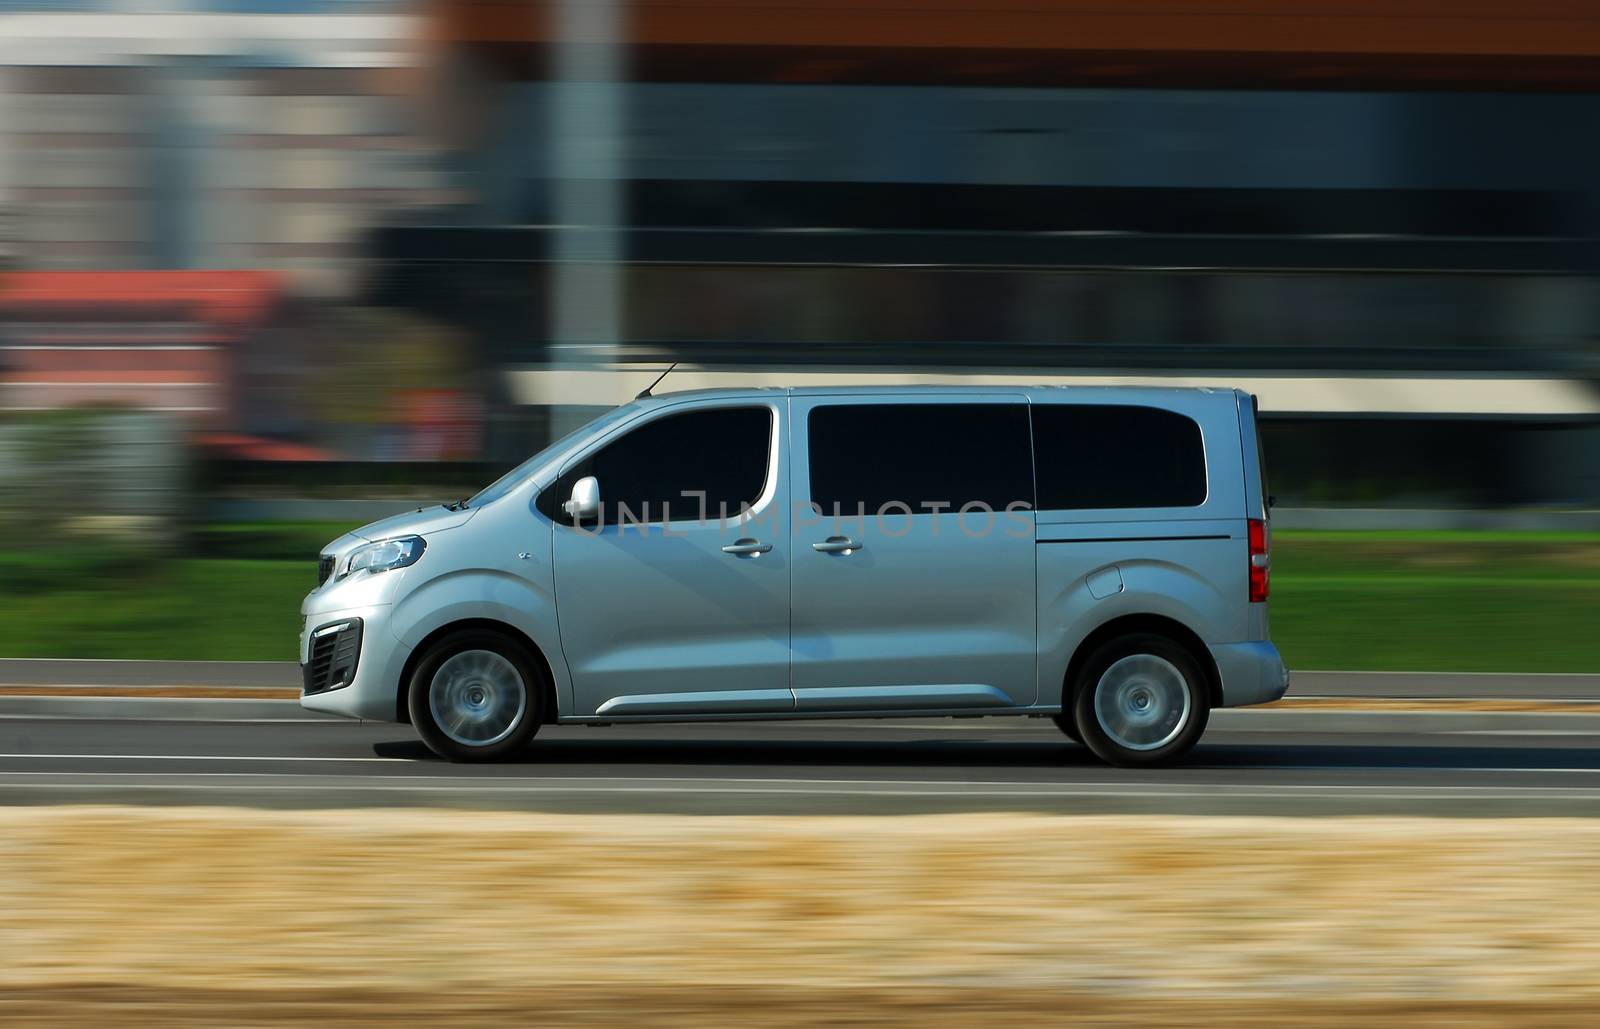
812 767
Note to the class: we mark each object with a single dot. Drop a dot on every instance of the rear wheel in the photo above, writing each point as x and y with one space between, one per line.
476 695
1141 700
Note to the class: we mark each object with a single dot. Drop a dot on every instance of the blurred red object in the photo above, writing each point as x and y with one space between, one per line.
256 448
441 425
158 340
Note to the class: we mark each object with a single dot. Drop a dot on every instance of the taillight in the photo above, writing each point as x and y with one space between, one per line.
1260 562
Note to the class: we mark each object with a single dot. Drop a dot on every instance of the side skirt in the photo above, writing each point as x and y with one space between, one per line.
809 716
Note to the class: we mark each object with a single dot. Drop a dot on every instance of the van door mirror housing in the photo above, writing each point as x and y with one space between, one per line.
584 504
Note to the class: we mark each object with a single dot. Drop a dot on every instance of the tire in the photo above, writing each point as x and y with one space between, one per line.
1141 700
476 695
1067 724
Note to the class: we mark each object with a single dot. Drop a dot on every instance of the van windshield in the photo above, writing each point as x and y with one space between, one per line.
510 480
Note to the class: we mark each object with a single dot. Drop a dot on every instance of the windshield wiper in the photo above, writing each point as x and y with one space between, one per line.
457 505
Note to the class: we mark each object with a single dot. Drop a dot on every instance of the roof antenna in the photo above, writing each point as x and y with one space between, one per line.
646 391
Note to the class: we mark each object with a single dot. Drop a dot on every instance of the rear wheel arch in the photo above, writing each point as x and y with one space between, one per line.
1157 625
511 632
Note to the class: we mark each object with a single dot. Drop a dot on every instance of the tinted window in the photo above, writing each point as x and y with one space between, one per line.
645 475
1261 456
1112 456
866 456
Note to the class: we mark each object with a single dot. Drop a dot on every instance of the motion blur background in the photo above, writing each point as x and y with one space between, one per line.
274 267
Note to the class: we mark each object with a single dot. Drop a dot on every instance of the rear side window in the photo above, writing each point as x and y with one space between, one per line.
929 457
1261 456
656 472
1115 456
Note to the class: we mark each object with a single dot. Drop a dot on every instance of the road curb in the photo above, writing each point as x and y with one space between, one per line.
1408 722
45 671
160 709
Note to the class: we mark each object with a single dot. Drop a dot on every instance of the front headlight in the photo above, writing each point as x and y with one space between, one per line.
384 555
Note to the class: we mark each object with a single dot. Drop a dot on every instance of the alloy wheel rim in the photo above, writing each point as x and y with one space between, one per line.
1142 702
477 698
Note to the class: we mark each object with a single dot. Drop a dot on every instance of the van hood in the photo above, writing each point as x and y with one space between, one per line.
414 523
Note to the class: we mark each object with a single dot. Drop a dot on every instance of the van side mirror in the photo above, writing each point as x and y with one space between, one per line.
584 504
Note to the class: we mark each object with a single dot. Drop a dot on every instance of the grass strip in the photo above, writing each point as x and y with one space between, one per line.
1389 601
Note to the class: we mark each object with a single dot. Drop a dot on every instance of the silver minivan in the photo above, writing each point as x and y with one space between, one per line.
1097 555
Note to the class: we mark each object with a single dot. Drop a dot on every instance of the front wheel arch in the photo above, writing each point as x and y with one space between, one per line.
547 686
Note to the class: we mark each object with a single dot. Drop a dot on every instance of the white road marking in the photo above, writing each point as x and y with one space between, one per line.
180 720
1439 675
147 686
1386 703
202 757
1516 732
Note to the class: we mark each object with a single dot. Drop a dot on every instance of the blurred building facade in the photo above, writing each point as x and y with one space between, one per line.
1384 220
207 134
1400 198
187 186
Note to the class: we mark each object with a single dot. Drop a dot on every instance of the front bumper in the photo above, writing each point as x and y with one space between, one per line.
1251 673
373 694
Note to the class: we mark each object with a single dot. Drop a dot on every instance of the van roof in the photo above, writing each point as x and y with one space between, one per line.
1123 394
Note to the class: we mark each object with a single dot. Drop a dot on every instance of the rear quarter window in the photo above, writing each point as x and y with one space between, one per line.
1116 456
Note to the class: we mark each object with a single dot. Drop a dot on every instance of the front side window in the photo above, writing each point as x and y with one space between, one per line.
659 471
887 458
1117 456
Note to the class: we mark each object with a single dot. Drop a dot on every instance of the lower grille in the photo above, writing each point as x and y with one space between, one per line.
324 569
335 649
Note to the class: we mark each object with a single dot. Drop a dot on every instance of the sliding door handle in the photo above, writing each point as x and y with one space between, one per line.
746 547
837 545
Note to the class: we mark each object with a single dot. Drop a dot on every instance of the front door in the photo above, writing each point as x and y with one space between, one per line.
913 584
665 606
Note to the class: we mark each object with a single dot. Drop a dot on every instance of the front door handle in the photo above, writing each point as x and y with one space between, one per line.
837 545
746 547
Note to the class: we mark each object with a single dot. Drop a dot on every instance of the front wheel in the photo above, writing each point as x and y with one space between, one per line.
1141 700
476 696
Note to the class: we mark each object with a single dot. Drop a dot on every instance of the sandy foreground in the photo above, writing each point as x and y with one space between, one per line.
213 916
